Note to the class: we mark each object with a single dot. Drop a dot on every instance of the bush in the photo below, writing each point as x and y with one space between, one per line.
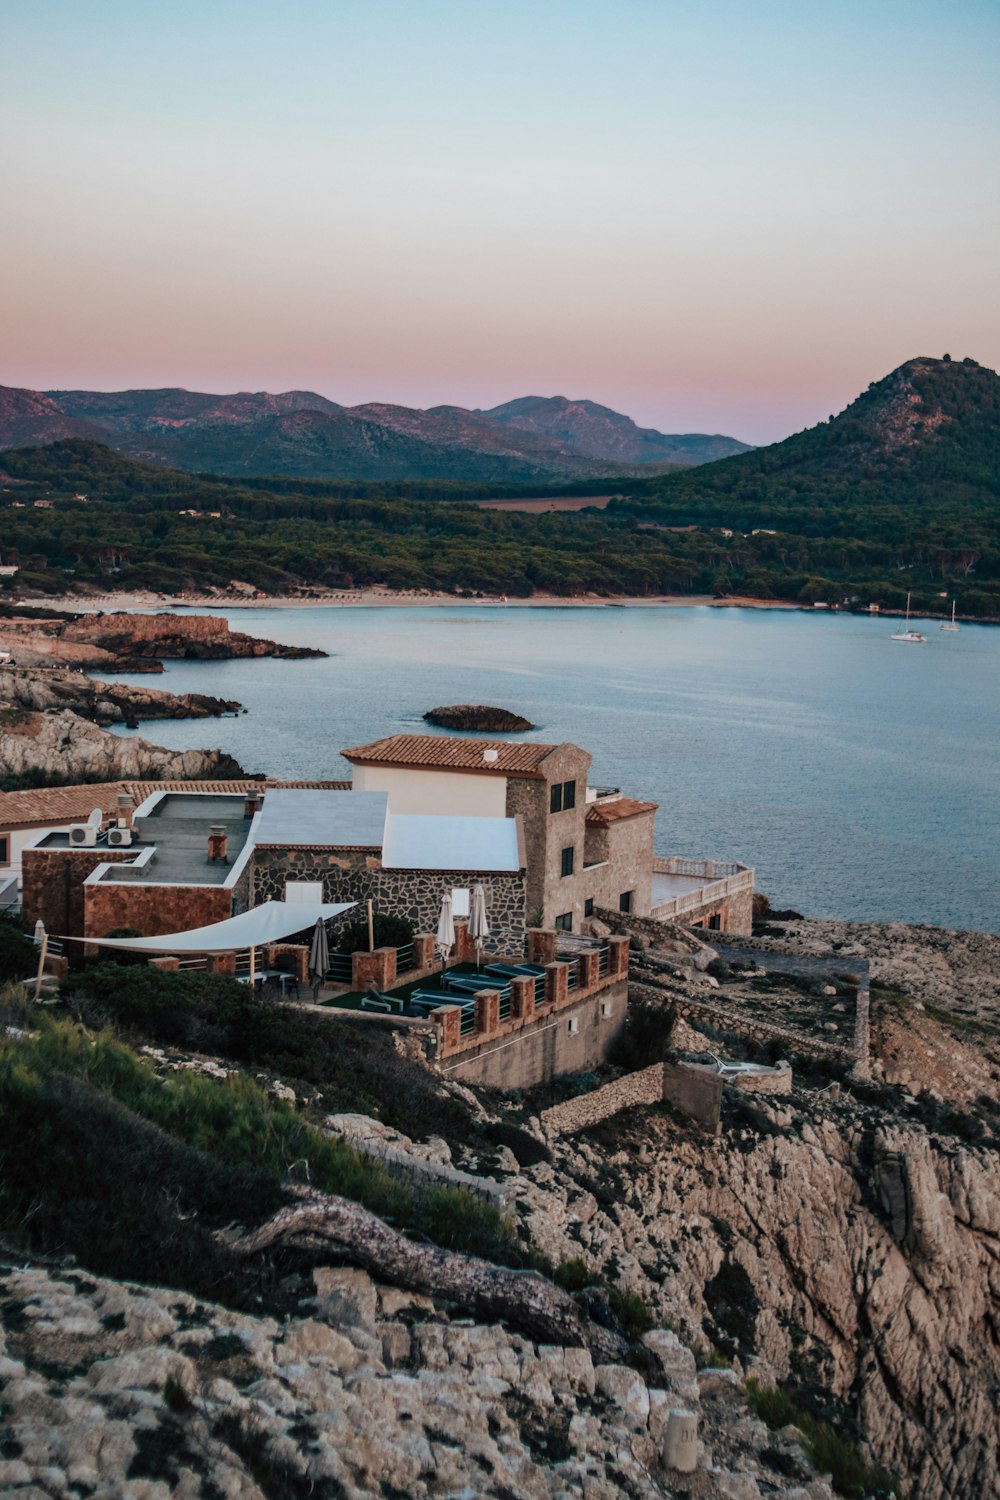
574 1274
130 1171
389 932
828 1452
631 1312
354 1067
646 1037
18 954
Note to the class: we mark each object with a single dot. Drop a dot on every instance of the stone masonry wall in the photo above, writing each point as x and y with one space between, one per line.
356 875
546 834
154 909
52 885
696 1094
627 846
568 1040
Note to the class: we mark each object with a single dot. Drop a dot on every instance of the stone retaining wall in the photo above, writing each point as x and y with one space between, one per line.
737 1022
697 1095
401 1164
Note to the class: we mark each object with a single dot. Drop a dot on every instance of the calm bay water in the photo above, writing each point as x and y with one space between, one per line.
860 776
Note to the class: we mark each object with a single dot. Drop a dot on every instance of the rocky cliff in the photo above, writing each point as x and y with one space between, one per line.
122 641
46 689
62 747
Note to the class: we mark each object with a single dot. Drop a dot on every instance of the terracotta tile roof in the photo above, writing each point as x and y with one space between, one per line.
72 804
605 813
438 752
58 804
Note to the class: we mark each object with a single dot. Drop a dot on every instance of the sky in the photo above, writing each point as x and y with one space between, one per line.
714 216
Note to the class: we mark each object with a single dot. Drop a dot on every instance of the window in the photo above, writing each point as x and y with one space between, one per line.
625 901
304 890
4 849
567 860
562 796
573 1025
565 922
588 907
715 923
607 1008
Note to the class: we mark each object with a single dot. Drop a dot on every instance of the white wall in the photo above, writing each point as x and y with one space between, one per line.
443 792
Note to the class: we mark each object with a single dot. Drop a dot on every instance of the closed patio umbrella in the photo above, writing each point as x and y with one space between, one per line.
479 927
319 956
445 940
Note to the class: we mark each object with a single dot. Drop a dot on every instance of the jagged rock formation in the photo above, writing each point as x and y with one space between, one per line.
479 717
124 642
365 1391
62 747
48 689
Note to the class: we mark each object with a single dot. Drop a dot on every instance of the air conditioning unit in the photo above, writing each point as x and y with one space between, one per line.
83 835
119 838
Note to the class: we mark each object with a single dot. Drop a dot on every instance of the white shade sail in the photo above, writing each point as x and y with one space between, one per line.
268 923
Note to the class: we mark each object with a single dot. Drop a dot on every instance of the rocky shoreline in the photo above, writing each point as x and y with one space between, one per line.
134 642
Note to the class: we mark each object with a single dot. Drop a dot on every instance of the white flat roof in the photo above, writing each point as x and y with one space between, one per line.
291 818
417 842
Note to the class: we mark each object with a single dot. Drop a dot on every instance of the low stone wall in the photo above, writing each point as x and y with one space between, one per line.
776 1081
740 1024
401 1164
522 1053
697 1095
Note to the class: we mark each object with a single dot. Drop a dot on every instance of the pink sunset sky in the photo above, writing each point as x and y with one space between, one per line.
721 218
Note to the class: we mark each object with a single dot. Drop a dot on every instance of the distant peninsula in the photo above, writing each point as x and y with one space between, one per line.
478 716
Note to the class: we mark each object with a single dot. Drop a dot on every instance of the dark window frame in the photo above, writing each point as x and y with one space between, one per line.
555 797
625 901
588 907
568 795
564 922
567 865
4 848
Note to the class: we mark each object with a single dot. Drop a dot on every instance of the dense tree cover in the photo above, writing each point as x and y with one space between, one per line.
899 493
903 488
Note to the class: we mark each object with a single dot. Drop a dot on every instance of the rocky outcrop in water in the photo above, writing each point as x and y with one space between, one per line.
61 747
479 717
46 689
132 642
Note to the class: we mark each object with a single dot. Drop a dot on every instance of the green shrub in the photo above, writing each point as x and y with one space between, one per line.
130 1172
631 1312
18 954
828 1452
389 932
574 1274
354 1067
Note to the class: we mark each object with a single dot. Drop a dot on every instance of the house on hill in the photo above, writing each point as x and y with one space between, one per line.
588 849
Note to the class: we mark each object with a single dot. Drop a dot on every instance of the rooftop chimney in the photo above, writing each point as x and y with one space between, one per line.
218 844
253 803
125 805
491 756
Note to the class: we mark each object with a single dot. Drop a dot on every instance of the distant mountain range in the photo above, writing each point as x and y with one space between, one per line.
299 433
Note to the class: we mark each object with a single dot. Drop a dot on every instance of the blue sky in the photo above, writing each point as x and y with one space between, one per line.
716 217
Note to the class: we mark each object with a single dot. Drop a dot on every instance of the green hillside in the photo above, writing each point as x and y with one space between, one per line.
899 493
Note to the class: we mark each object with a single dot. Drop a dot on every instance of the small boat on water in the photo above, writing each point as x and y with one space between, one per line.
906 634
946 625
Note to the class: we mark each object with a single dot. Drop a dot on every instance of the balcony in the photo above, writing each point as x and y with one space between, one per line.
683 886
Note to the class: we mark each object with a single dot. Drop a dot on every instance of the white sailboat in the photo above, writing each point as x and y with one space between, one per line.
906 634
952 626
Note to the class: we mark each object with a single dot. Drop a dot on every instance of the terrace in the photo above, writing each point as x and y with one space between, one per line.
682 886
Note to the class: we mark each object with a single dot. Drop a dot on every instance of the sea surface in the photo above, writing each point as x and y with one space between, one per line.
860 776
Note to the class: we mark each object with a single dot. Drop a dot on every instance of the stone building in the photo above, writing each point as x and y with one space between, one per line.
587 848
186 859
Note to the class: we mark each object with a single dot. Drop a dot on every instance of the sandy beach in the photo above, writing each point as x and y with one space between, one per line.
387 599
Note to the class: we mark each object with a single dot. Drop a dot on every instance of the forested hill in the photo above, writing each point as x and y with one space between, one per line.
899 494
918 452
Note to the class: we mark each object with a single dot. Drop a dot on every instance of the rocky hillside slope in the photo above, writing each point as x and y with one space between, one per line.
301 433
367 1391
